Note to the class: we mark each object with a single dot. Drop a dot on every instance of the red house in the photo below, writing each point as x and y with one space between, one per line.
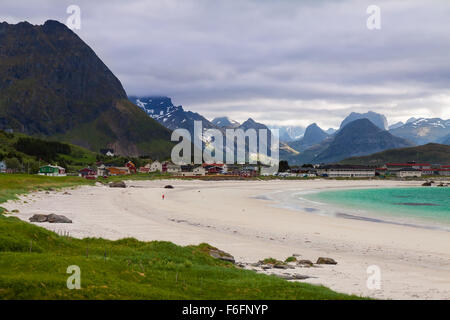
88 173
213 168
131 166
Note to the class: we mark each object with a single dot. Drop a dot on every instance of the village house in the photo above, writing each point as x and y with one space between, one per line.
49 170
131 167
409 172
102 171
215 168
107 152
156 166
443 170
393 168
249 171
118 171
145 169
173 168
88 173
199 171
345 171
3 167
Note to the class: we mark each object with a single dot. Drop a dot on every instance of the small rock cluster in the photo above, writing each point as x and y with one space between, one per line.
270 263
221 255
51 218
117 184
432 183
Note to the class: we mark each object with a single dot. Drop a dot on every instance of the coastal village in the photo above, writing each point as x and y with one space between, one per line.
399 170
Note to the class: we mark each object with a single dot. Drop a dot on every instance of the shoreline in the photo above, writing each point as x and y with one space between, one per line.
294 203
414 263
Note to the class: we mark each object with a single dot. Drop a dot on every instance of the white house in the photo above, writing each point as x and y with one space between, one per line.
156 166
3 167
107 152
199 171
173 168
409 172
346 171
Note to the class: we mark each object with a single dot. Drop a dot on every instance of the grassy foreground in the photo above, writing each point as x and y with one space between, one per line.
34 262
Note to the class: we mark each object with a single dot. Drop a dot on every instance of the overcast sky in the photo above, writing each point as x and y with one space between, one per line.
279 62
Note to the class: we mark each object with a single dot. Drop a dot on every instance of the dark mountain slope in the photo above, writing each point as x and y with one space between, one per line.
53 84
313 135
431 153
359 137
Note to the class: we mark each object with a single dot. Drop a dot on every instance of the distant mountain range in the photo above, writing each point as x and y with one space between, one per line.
225 123
172 117
313 135
359 137
359 133
52 84
377 119
289 133
422 131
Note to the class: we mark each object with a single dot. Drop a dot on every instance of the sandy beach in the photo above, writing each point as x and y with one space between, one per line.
239 217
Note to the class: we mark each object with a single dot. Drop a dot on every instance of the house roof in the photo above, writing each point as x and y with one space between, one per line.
407 164
409 169
345 167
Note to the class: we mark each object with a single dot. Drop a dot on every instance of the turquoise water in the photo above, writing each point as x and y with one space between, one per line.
410 204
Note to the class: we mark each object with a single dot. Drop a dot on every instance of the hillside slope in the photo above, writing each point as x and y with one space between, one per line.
429 153
359 137
53 84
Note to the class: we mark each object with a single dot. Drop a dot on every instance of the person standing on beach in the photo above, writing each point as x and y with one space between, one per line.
163 196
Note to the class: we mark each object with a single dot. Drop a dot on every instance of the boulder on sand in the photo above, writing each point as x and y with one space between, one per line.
55 218
117 184
51 218
221 255
305 262
323 260
38 218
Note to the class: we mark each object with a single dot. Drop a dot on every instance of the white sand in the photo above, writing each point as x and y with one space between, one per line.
414 262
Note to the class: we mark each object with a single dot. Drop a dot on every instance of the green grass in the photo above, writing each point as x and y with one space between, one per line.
34 262
12 185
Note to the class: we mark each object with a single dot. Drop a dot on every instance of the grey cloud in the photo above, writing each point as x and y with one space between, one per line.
305 61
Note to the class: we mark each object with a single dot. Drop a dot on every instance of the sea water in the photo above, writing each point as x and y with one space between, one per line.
422 205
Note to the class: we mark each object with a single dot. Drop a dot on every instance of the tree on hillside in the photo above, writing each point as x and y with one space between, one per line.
13 163
283 166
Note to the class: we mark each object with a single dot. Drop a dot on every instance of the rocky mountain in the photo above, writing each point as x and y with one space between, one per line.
396 125
412 119
423 130
225 123
359 137
330 130
52 84
252 124
161 109
313 135
378 119
288 133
